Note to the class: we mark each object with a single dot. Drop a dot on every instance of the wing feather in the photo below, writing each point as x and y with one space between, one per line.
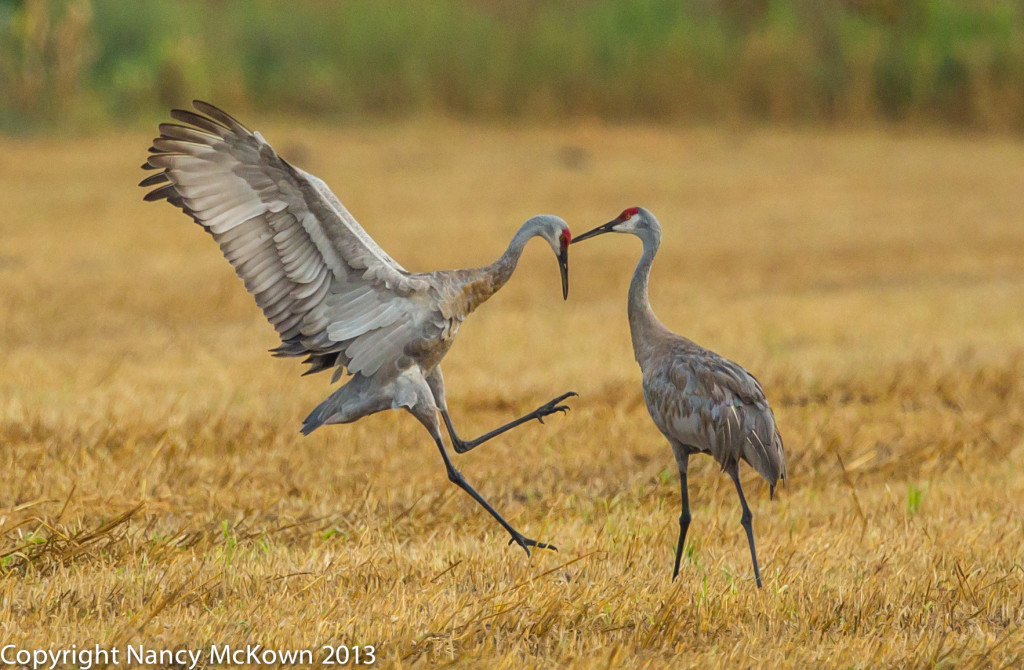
367 354
705 400
200 122
328 289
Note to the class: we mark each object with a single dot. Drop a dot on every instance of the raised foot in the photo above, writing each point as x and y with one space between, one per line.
552 406
526 543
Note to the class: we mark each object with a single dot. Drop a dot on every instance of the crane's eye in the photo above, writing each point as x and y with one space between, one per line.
629 213
565 238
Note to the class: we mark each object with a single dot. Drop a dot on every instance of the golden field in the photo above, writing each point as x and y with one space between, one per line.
155 488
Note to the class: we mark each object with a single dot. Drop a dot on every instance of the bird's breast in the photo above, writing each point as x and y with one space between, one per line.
474 288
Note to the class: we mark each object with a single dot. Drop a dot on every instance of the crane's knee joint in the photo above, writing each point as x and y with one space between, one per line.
455 477
746 518
684 519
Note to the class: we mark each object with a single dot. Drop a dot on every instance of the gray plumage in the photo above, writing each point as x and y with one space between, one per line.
700 401
333 295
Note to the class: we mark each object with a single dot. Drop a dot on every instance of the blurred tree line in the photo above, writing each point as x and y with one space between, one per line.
82 63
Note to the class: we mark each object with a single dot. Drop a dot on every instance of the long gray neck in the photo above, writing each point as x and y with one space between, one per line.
503 268
644 326
476 285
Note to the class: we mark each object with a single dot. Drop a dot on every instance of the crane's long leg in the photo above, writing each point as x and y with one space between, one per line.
684 517
462 446
435 381
746 519
429 392
459 480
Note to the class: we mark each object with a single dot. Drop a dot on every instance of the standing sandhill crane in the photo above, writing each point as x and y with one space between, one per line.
699 400
331 292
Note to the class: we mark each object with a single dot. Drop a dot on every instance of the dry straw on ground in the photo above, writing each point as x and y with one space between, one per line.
156 490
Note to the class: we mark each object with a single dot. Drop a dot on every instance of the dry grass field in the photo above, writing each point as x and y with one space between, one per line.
154 487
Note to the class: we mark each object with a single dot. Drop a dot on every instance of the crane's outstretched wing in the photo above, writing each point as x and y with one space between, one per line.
327 288
716 405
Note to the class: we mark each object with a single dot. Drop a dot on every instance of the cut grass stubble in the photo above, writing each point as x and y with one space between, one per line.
156 488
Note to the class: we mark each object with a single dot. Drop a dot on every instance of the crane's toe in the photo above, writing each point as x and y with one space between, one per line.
553 406
526 543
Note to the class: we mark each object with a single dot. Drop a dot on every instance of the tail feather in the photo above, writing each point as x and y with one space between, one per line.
353 400
314 420
322 412
766 455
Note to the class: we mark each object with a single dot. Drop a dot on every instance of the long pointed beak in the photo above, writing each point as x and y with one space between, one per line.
600 230
563 267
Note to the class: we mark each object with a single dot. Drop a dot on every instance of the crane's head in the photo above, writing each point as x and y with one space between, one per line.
635 220
556 232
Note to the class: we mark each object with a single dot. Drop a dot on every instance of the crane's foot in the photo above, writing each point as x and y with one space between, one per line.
552 406
526 543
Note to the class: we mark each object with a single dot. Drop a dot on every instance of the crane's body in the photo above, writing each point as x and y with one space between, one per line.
452 295
333 295
700 401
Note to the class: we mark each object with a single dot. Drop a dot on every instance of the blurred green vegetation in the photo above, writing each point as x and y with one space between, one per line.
77 63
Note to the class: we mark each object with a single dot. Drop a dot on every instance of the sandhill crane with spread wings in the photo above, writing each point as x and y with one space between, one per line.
700 401
333 295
